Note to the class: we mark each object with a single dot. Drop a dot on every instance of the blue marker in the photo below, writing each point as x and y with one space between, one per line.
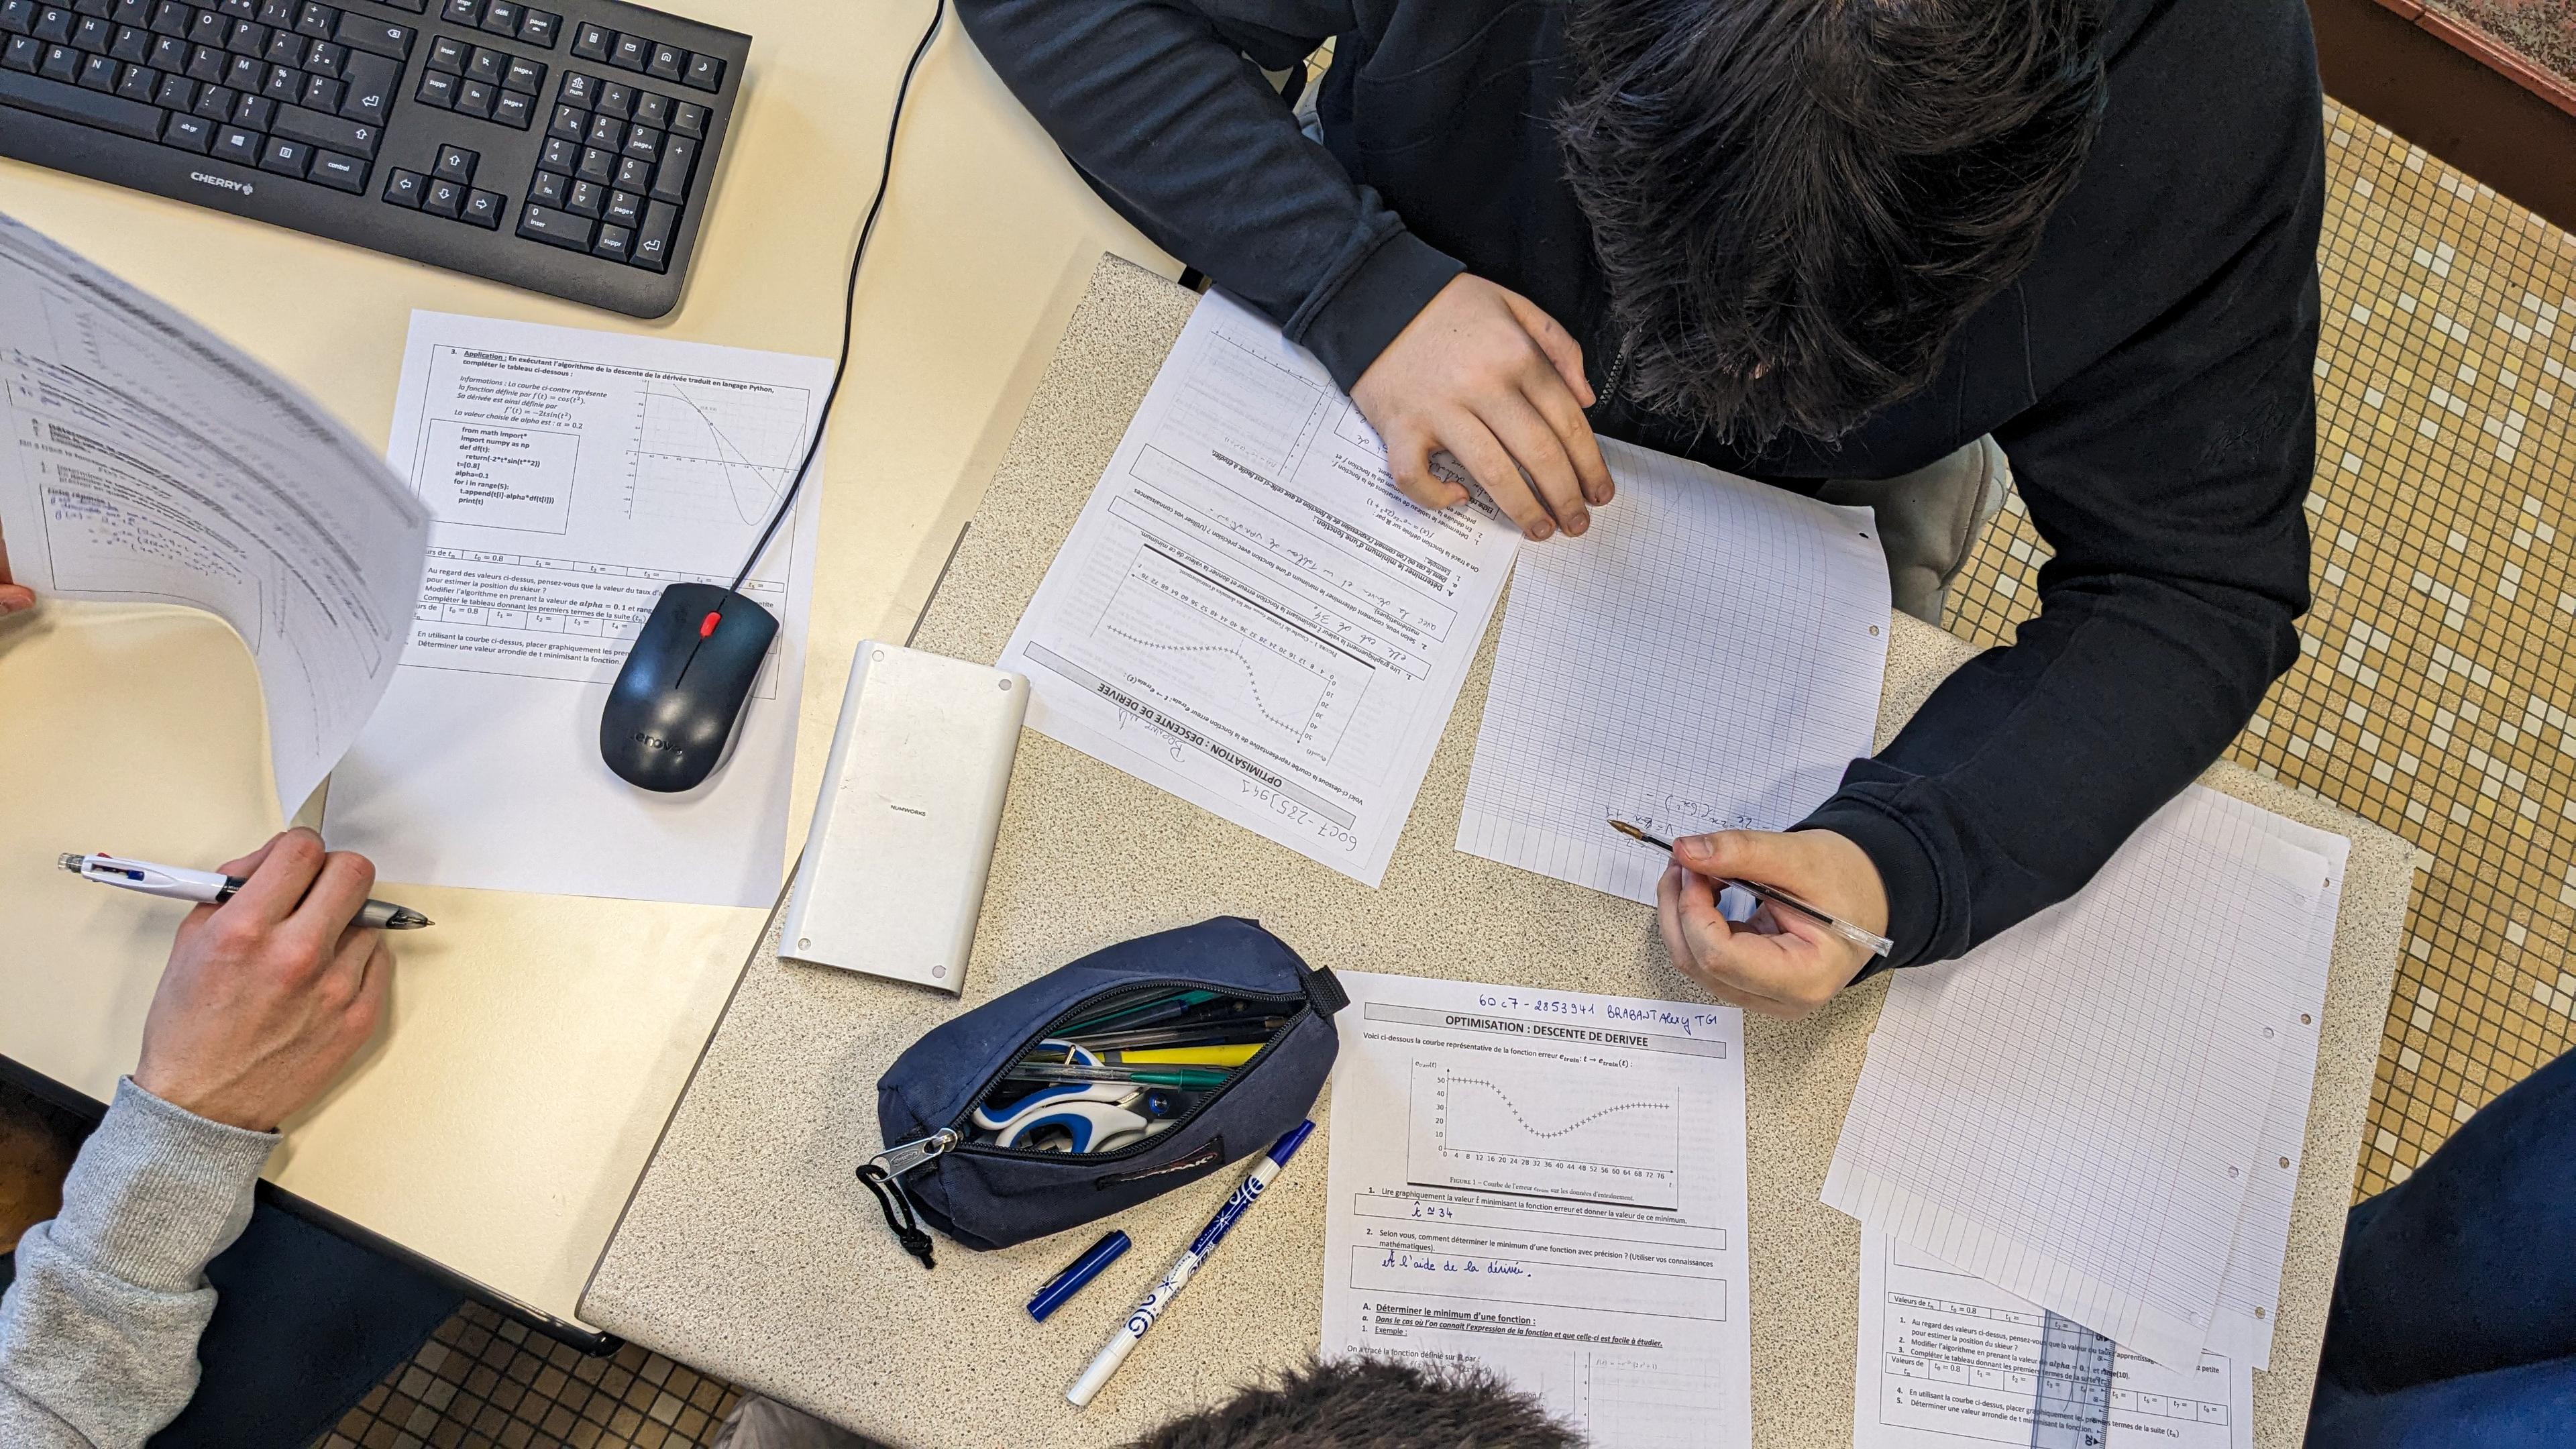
1076 1274
1131 1333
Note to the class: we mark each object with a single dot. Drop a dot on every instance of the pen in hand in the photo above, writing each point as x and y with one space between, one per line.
1870 941
208 888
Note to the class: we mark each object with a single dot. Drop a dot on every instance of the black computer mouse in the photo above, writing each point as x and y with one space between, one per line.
675 703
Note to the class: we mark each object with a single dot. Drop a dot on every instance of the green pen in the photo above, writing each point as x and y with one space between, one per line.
1188 1079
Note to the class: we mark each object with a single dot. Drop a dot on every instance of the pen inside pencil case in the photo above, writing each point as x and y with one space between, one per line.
1103 1084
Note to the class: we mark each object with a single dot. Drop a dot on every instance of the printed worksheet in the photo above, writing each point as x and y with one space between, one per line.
1946 1357
151 462
1550 1184
573 475
1707 657
1249 615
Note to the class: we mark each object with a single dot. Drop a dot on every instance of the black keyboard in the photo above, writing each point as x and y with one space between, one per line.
567 150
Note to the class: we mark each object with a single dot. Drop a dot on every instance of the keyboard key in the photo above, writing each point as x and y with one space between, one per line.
403 188
169 52
485 208
585 199
456 164
323 94
23 52
624 208
541 28
554 228
633 175
447 53
548 189
371 79
613 242
276 13
137 13
61 63
558 154
188 133
172 18
706 72
247 37
215 103
474 98
669 62
461 12
18 17
138 83
316 19
653 238
205 27
596 165
53 24
523 75
340 173
177 93
516 109
616 97
70 103
330 133
132 46
591 41
671 182
501 17
253 113
98 73
273 81
380 36
237 9
606 132
484 65
285 157
205 63
689 118
579 89
437 88
571 123
631 52
643 142
232 143
444 198
285 48
653 109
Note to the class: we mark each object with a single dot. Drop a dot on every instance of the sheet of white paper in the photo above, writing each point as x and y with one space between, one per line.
1249 615
1707 657
2072 1112
150 461
1946 1357
1550 1184
2250 1295
573 476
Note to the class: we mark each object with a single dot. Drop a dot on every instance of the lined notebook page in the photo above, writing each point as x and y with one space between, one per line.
1707 657
2073 1112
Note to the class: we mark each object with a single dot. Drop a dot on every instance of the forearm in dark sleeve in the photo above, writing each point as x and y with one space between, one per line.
1156 103
2169 478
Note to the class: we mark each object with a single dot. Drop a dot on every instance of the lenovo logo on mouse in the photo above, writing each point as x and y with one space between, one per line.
656 742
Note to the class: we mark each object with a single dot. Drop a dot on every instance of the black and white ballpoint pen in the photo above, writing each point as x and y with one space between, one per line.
210 888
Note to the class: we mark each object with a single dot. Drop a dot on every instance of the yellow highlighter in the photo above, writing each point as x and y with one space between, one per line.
1200 1056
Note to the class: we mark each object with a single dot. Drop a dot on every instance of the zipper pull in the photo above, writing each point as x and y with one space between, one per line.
879 1174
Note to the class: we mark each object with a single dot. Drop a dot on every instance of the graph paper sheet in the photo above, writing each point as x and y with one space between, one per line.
2074 1111
571 476
1949 1361
1551 1184
1707 657
1249 615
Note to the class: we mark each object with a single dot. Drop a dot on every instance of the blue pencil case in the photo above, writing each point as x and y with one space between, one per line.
1054 1105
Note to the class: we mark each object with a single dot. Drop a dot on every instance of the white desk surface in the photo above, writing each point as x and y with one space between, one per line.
750 1250
537 1042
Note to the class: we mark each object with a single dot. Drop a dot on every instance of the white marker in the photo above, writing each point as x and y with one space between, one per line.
178 883
1123 1343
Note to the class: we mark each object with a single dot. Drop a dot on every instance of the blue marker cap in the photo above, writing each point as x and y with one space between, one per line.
1079 1272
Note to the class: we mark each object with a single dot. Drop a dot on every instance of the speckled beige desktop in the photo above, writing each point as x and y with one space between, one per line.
749 1249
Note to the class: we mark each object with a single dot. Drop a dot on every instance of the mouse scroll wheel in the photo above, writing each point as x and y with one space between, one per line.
707 625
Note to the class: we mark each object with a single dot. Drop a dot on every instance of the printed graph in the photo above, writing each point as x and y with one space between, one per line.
1593 1135
1198 646
716 454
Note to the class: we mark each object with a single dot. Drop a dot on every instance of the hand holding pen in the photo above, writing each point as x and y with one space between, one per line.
1823 910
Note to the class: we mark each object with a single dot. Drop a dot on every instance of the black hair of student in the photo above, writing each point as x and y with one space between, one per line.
1373 1402
1795 203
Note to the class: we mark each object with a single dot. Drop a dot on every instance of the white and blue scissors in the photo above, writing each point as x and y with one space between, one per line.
1096 1116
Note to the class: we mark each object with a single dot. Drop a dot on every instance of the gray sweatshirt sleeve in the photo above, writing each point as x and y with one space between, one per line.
98 1335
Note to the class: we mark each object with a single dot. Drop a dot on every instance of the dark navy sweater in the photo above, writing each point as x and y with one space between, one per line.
2148 375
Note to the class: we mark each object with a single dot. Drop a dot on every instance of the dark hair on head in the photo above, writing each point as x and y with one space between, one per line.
1796 202
1379 1403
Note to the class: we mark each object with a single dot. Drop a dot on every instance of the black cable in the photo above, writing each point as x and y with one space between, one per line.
849 297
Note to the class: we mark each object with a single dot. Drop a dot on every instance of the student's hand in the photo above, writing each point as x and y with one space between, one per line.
268 995
1778 963
13 597
1485 375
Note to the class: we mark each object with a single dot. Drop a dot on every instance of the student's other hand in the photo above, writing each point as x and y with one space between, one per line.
1778 963
1482 373
13 596
268 995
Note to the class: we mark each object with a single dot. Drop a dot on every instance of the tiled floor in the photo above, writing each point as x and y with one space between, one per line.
2434 698
2434 693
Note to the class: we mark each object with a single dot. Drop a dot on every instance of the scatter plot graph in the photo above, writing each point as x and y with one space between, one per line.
714 454
1596 1136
